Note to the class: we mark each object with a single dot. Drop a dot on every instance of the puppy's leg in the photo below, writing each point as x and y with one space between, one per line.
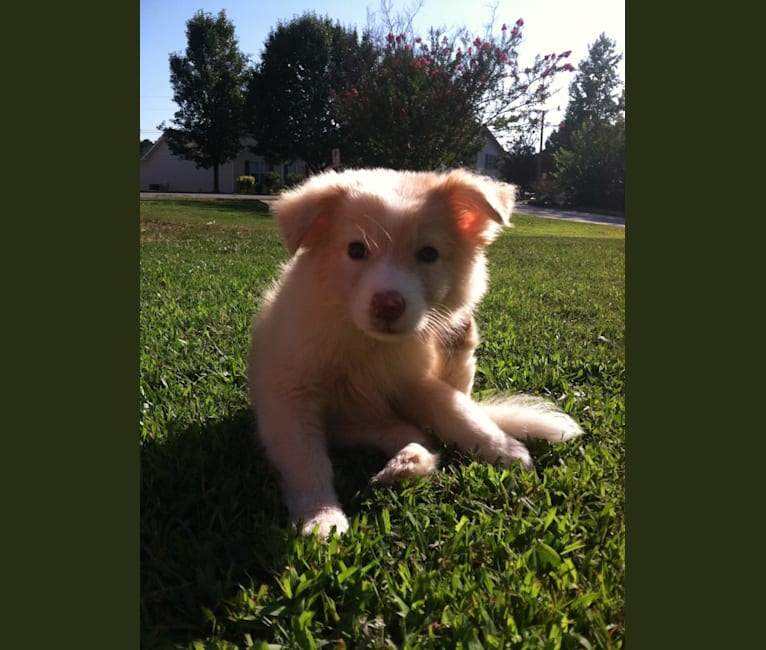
457 419
405 444
458 362
527 416
295 444
410 456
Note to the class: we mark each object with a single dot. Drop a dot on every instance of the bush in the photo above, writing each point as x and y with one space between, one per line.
272 182
293 179
547 192
245 184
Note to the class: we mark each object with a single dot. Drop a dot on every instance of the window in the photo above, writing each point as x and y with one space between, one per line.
298 169
257 168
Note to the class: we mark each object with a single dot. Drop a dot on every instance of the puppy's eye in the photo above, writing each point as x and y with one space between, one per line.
357 250
428 254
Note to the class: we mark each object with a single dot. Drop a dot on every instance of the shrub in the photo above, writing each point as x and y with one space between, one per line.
293 179
547 191
245 184
272 182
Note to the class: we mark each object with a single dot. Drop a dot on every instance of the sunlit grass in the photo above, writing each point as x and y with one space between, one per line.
475 556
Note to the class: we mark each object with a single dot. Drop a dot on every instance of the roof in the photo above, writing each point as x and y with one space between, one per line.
492 139
154 147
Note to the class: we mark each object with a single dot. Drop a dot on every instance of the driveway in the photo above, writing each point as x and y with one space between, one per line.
535 211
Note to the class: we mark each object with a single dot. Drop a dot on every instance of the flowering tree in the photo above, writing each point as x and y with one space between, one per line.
423 102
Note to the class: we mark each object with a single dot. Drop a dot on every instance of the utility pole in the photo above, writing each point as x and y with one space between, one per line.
540 155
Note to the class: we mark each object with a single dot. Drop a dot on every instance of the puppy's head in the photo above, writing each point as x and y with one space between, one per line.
399 253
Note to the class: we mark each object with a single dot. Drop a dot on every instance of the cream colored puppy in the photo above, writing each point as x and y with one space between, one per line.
368 337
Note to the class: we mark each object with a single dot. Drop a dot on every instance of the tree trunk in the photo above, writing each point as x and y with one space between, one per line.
215 179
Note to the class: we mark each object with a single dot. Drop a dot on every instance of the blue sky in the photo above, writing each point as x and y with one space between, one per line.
549 26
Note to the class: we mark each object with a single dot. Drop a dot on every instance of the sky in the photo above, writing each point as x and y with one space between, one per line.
549 26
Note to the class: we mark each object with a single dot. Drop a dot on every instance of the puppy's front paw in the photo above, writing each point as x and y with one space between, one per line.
323 520
411 461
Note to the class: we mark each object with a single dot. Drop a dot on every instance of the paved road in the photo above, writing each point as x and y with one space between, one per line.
571 215
548 213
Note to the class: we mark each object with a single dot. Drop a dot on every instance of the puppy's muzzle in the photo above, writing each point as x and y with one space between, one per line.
387 306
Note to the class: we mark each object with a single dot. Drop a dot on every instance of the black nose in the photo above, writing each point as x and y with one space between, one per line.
387 305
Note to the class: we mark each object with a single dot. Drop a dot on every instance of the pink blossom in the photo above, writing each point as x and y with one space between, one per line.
354 92
504 28
569 67
418 40
520 22
390 38
564 55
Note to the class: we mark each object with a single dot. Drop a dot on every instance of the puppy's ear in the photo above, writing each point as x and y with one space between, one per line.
304 212
480 205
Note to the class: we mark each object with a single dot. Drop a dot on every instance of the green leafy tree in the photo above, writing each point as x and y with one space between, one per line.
589 146
596 94
591 171
209 85
520 165
423 102
290 101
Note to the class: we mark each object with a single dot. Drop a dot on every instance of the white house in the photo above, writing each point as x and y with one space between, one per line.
488 159
162 171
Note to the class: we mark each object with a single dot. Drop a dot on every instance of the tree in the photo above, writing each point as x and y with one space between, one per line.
209 85
589 147
591 171
596 93
423 102
290 99
520 165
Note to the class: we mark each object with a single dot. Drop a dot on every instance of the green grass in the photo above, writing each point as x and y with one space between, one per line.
476 556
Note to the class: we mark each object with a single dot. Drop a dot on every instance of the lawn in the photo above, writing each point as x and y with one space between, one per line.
476 556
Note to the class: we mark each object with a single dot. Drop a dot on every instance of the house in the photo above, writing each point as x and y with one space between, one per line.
489 157
162 171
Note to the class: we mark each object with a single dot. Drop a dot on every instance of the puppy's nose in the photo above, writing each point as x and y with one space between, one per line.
387 305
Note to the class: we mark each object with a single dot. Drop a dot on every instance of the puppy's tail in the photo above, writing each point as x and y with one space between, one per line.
527 416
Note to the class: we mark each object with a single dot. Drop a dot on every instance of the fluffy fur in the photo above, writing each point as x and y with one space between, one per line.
368 337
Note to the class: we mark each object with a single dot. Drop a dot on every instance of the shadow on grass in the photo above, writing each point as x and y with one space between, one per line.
234 206
212 519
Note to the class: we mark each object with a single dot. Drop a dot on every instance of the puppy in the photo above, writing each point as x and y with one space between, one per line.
368 337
